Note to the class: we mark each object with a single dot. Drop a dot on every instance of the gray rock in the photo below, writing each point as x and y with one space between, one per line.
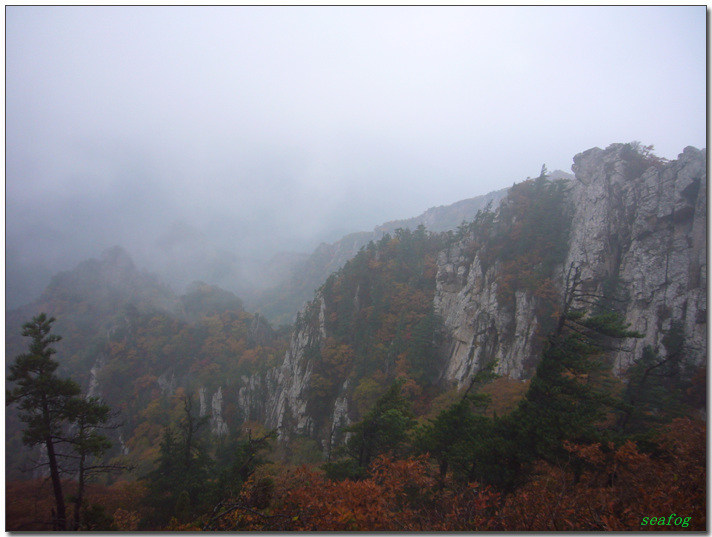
638 222
646 231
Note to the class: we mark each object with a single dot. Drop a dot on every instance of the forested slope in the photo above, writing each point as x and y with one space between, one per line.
530 351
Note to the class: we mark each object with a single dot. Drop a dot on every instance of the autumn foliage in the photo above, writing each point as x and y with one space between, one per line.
116 507
571 449
604 488
398 495
616 487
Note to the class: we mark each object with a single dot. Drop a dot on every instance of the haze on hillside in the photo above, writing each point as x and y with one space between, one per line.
229 134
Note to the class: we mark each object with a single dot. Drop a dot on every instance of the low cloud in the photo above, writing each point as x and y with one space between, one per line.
270 129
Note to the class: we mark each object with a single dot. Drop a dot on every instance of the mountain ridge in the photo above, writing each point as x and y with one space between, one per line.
431 308
626 207
281 303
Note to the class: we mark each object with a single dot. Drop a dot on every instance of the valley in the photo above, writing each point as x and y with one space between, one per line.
494 313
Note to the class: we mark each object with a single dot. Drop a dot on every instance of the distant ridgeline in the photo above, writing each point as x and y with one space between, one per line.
280 304
432 302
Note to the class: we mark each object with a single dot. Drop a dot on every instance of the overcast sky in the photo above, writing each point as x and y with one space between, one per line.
268 129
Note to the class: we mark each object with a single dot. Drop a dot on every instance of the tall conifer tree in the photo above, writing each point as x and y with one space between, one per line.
43 400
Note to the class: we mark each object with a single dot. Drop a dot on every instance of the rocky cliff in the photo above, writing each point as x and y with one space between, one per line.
648 232
280 304
287 400
636 231
633 225
637 223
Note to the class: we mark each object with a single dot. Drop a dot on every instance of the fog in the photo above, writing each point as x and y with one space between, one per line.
234 133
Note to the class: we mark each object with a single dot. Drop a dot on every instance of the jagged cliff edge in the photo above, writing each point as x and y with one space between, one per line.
644 227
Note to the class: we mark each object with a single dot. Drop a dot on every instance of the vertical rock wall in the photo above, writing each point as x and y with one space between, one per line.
292 378
645 233
639 224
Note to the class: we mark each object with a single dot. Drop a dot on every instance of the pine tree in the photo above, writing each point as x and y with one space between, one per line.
237 461
89 416
659 387
164 483
383 430
569 397
183 464
454 436
43 400
56 413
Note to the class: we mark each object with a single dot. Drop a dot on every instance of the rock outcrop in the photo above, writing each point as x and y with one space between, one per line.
638 224
280 304
645 230
292 379
638 231
218 426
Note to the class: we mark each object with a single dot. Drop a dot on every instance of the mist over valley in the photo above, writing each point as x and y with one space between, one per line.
356 268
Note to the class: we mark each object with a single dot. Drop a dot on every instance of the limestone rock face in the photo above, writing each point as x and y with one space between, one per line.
478 328
218 427
646 233
637 224
292 379
279 397
217 424
167 382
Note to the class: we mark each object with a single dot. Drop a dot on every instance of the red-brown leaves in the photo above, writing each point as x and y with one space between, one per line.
614 489
601 488
398 495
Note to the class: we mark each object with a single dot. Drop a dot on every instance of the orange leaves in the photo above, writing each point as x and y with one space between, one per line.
601 488
471 509
144 384
398 495
397 477
28 506
338 358
411 389
505 393
402 364
126 520
379 503
252 357
225 335
306 500
30 503
612 489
